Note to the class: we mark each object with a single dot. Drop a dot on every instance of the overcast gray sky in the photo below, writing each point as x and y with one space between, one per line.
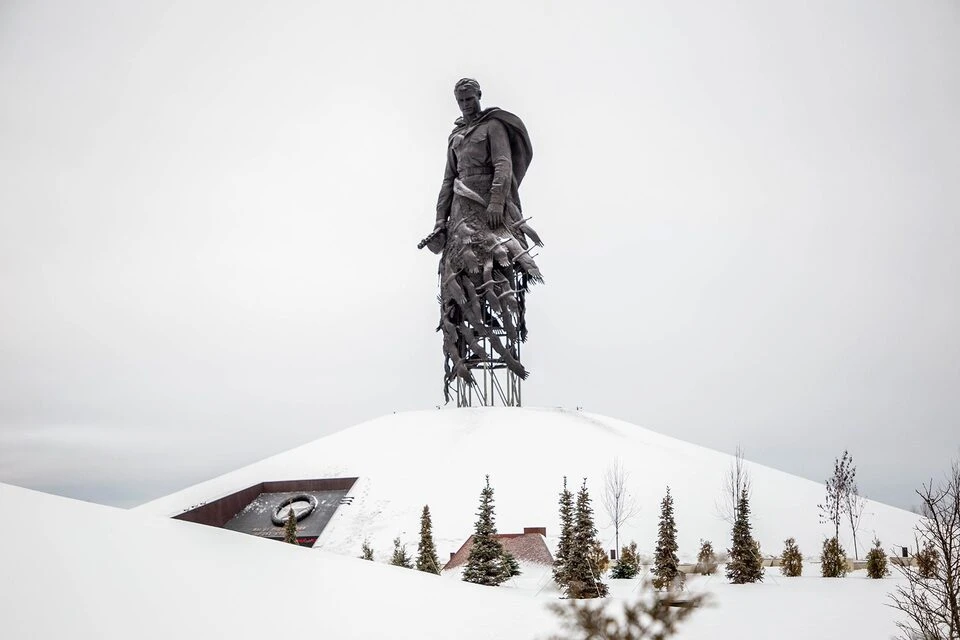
209 213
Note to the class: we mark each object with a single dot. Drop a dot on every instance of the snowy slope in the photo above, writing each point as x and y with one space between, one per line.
104 573
440 457
109 574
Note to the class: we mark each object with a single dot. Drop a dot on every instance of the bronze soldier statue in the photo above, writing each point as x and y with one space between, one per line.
484 242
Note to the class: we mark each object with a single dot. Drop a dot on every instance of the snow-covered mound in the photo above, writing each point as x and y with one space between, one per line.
78 570
440 458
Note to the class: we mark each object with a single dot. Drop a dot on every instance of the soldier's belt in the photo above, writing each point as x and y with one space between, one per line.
476 171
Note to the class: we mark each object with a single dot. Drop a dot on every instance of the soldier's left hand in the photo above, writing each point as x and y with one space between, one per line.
494 215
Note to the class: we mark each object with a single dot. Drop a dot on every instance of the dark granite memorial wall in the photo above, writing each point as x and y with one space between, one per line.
251 510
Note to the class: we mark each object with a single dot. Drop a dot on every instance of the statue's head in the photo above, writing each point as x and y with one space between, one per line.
467 92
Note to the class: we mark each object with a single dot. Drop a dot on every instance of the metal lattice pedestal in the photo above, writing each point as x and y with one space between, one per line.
494 383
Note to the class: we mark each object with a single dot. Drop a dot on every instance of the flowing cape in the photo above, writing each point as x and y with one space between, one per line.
520 147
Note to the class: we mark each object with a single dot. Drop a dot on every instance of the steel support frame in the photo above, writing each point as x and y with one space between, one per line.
494 383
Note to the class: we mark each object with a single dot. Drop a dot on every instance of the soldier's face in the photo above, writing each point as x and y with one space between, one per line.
469 101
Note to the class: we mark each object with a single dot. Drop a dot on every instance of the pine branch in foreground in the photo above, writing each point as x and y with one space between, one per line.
654 616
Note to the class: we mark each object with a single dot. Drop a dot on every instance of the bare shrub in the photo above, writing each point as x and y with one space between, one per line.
617 501
930 597
736 482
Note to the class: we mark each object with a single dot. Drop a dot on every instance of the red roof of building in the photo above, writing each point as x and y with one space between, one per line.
529 546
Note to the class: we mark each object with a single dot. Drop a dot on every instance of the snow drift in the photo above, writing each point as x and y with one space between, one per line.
105 574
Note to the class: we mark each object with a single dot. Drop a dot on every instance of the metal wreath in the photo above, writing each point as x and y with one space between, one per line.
277 520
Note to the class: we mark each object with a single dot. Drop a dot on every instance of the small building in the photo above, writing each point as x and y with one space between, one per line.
529 546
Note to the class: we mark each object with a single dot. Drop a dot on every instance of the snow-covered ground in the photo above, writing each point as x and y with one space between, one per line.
406 460
103 573
89 572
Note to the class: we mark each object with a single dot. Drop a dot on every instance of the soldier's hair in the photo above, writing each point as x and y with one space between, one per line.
467 83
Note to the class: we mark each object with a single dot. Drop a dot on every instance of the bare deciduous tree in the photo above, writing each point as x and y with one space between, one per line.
735 483
855 504
931 603
617 501
837 487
